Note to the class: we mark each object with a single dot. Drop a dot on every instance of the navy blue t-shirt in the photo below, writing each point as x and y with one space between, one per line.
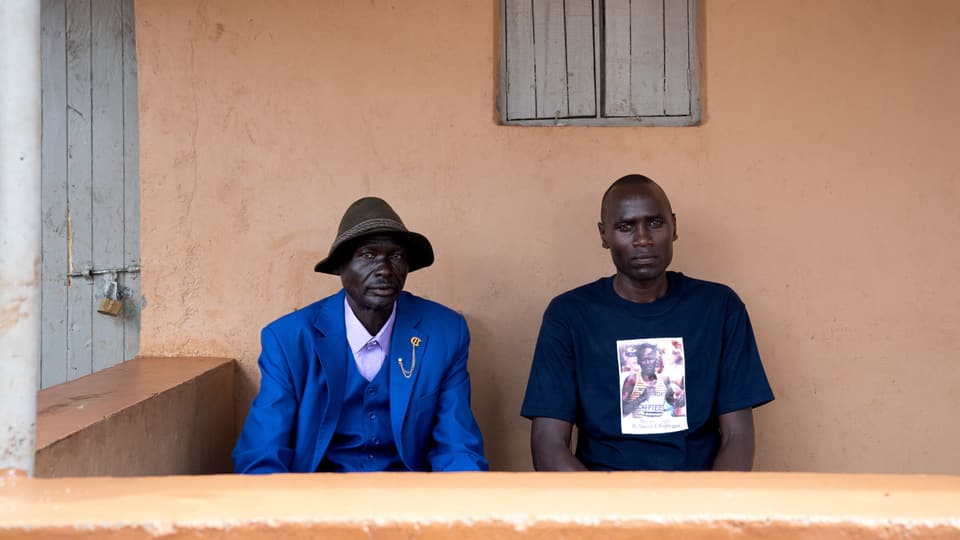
645 383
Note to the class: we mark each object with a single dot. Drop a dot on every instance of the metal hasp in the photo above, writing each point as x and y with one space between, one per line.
19 232
90 272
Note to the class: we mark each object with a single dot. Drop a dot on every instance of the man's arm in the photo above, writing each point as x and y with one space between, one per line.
736 441
550 445
264 443
551 400
458 444
628 402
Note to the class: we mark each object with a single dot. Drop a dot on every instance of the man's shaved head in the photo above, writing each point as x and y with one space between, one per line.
631 180
638 226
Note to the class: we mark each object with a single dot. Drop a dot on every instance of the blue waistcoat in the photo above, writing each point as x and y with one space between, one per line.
363 440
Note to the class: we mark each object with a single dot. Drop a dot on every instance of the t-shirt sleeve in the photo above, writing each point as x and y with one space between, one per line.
743 383
551 389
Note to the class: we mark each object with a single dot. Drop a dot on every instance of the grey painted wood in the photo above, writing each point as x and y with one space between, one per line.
646 58
599 73
521 73
550 58
644 63
693 64
79 195
90 174
501 112
131 187
107 184
623 121
676 57
616 48
580 48
53 271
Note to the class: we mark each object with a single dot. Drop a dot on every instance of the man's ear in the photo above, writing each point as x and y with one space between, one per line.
674 216
603 237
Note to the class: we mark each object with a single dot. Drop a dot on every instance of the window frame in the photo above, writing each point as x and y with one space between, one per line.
600 80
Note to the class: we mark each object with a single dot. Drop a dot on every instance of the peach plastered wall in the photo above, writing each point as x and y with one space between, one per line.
822 185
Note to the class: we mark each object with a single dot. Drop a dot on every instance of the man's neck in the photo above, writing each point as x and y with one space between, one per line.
641 292
371 319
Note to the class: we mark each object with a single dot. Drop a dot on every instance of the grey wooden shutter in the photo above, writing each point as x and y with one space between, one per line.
600 62
647 58
549 57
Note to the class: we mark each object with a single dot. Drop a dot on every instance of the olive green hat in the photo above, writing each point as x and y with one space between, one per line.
371 216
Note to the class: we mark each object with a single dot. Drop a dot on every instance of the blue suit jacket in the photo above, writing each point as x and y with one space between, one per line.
303 366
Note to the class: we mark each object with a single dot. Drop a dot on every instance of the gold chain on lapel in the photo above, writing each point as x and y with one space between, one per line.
415 341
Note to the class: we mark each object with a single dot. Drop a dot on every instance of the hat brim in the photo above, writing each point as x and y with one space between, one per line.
419 251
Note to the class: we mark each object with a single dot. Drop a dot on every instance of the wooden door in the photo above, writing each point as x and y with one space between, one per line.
90 186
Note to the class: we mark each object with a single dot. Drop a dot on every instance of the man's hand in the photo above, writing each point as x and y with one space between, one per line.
550 445
736 441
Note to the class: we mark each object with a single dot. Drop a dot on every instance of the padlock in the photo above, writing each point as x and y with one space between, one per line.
111 305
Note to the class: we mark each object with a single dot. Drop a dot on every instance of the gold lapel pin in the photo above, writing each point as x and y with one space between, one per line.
415 341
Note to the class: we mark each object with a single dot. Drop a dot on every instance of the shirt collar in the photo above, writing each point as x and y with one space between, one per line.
357 335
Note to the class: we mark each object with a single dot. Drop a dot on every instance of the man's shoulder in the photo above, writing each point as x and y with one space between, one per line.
589 292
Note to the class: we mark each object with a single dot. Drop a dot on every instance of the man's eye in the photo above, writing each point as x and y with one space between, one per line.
397 256
367 255
657 222
624 227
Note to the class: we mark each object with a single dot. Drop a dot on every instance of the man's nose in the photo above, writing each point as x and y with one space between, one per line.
642 237
383 267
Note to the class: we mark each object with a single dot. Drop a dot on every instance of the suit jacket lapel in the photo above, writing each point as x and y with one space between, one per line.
330 351
401 347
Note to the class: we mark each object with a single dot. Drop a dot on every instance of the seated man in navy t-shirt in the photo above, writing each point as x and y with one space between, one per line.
656 369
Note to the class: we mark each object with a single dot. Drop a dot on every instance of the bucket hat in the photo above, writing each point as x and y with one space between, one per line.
371 216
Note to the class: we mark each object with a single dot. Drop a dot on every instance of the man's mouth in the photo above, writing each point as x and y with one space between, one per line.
382 290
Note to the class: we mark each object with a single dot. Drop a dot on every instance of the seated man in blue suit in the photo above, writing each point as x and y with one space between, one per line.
371 378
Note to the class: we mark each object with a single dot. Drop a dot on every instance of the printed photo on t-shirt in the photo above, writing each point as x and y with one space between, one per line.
653 397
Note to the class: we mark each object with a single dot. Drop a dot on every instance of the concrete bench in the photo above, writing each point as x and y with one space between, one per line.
148 416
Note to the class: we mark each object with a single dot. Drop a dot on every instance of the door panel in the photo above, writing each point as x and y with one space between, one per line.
90 172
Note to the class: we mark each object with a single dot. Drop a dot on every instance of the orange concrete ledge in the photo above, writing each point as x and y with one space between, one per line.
148 416
470 506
